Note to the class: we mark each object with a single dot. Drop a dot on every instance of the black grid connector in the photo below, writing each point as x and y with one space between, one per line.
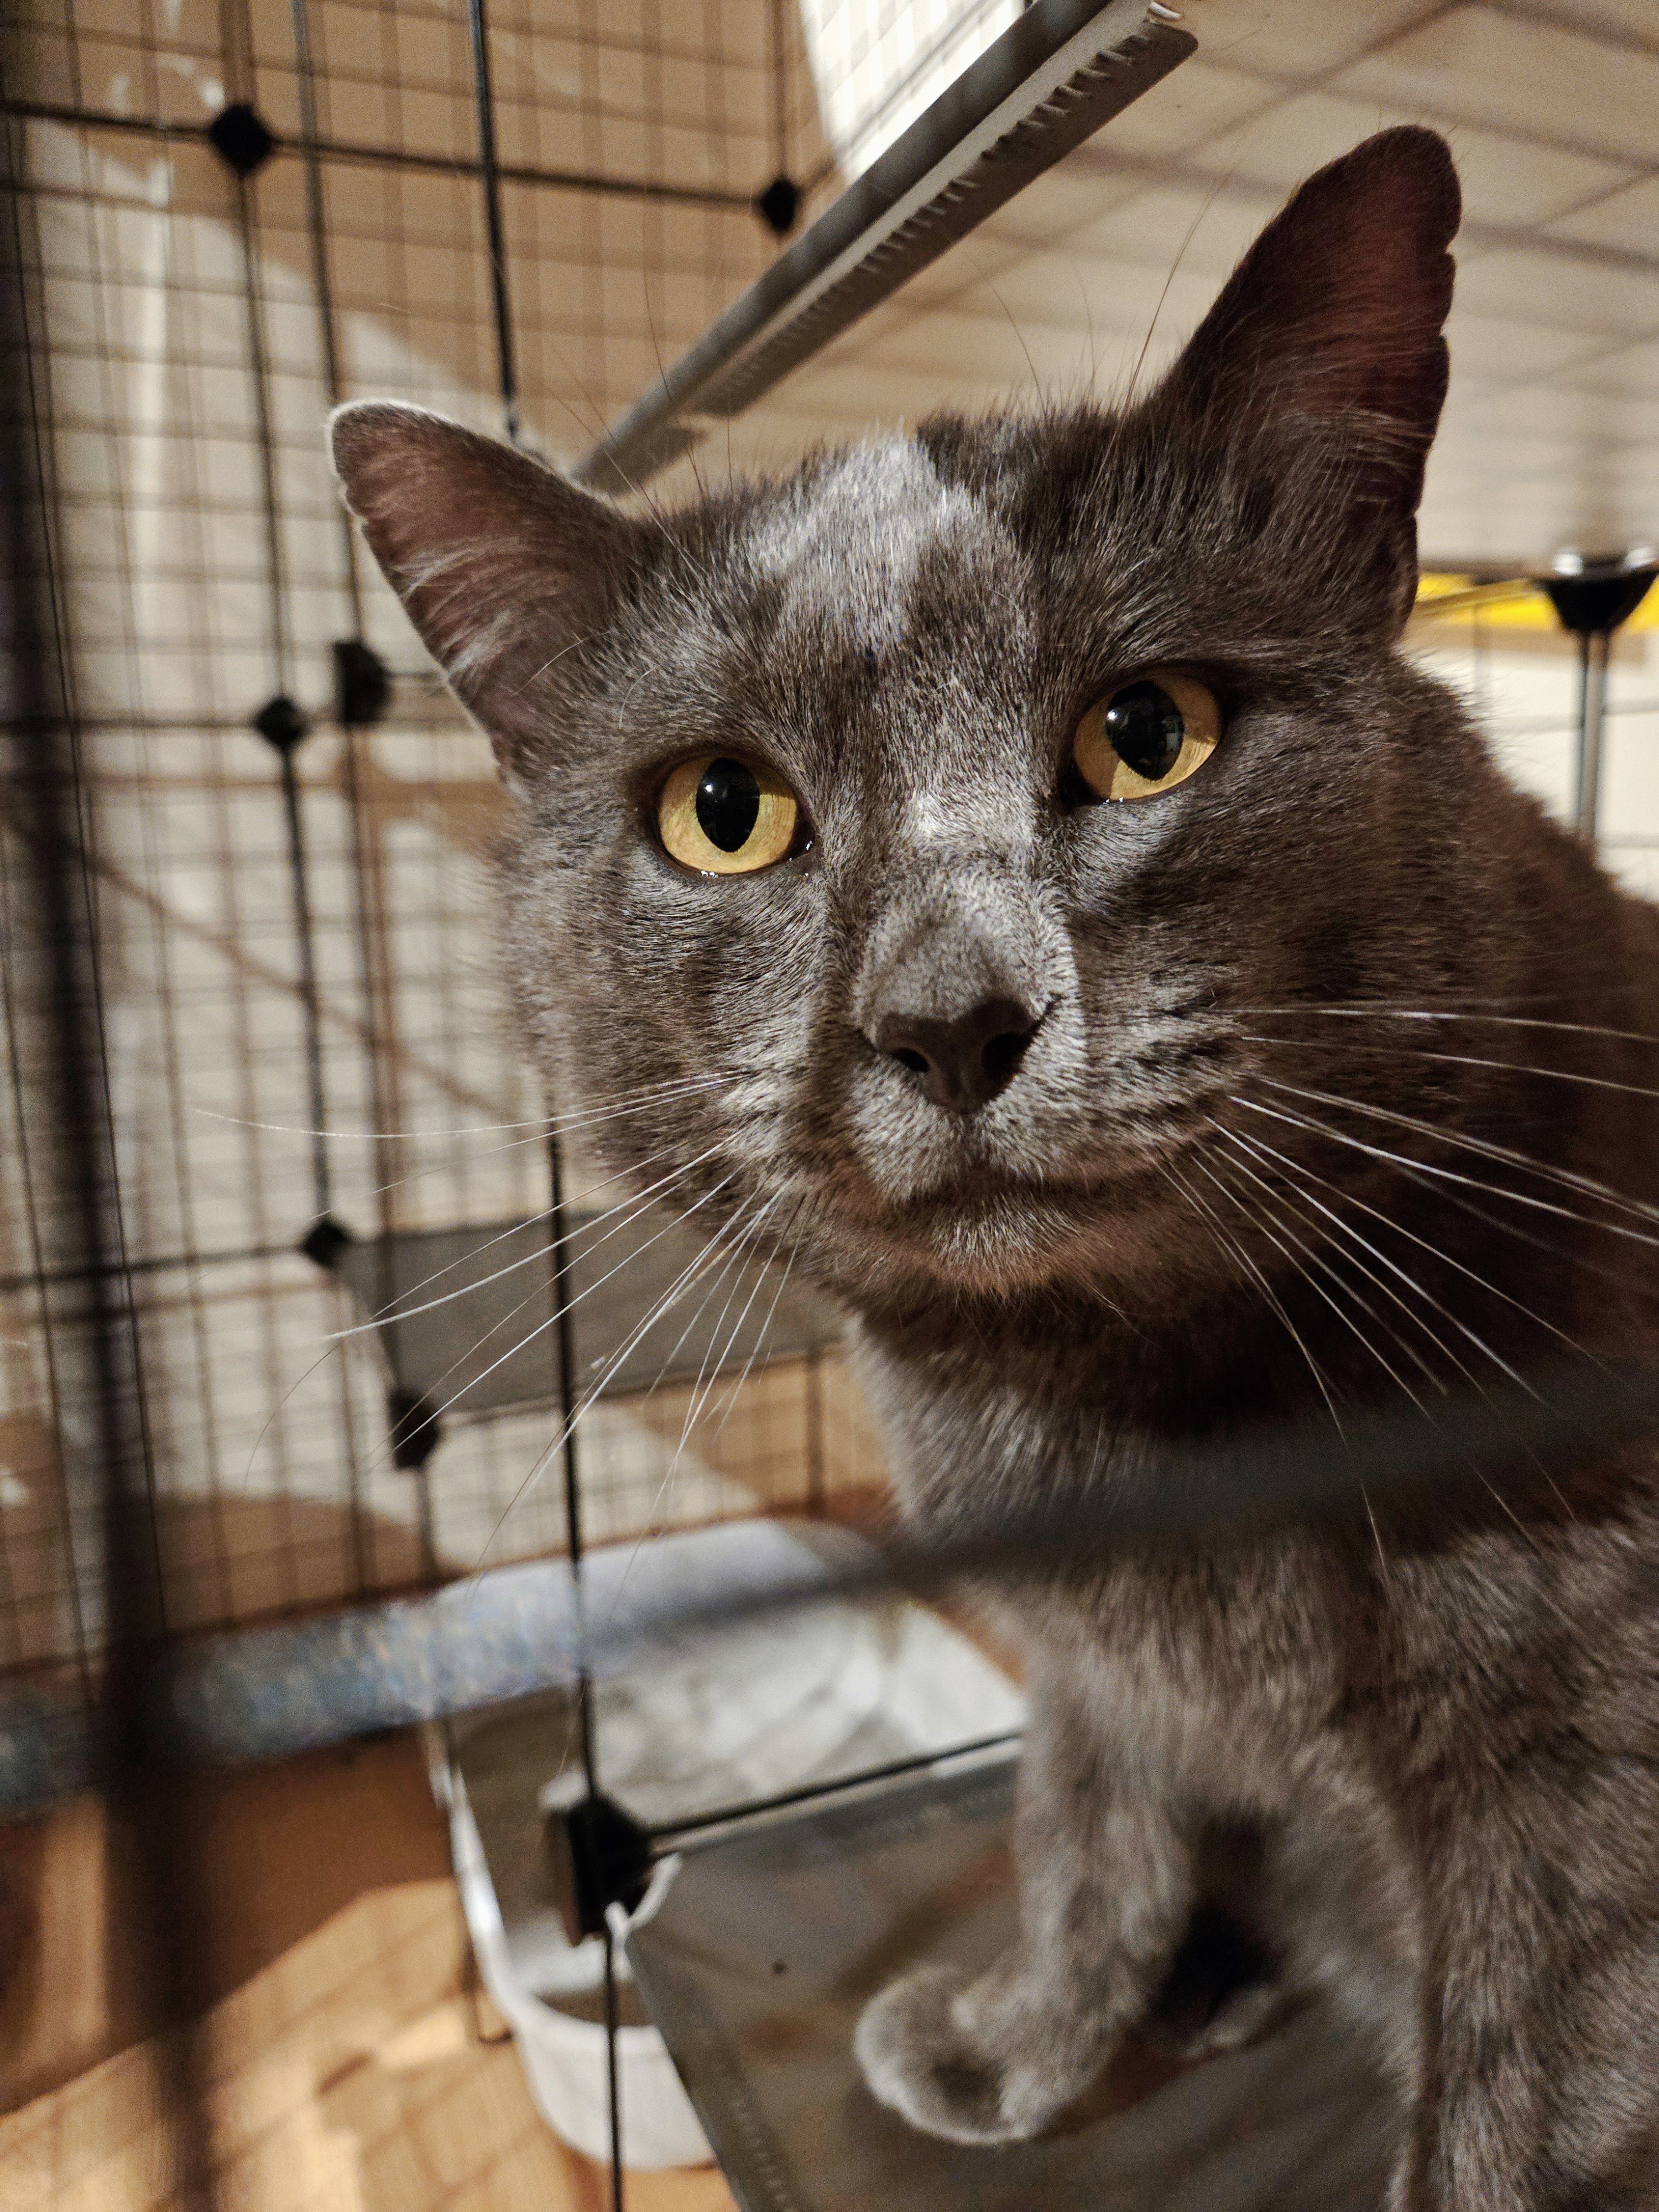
362 684
280 723
240 138
325 1241
416 1428
779 205
602 1857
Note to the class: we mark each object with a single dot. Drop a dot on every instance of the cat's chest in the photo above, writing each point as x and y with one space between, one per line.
967 1438
1260 1627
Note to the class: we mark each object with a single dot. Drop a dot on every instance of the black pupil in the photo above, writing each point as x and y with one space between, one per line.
1144 726
728 805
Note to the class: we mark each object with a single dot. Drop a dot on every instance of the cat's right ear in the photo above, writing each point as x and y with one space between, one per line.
1327 341
501 563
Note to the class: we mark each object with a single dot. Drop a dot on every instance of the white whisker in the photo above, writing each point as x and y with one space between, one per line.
1314 1260
1301 1267
542 1136
388 1312
665 1304
1503 1154
765 1328
1375 1152
546 1253
1433 1250
640 1200
654 1516
1475 1060
1293 1175
446 1405
1229 1243
712 1357
1384 1011
539 1123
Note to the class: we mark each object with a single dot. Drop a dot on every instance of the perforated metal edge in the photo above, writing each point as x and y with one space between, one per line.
1052 79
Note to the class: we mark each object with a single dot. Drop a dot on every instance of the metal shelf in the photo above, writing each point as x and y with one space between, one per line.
490 1348
771 1940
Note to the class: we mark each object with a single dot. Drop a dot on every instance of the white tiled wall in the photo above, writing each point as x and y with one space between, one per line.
1525 694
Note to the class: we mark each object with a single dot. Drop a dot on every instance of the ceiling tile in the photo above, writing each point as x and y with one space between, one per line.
887 392
1291 38
1514 181
1554 404
1635 20
1555 83
1542 464
988 347
1060 203
1204 232
1626 478
1633 369
1297 137
1555 408
1013 353
1520 527
1505 181
1492 346
1081 292
980 258
1553 288
1191 104
1628 219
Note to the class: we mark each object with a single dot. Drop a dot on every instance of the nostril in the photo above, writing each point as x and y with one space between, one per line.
1003 1054
962 1059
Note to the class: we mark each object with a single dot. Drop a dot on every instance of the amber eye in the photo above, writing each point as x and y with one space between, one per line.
1146 737
725 818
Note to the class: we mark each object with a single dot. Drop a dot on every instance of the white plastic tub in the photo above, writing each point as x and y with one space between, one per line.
704 1721
561 2047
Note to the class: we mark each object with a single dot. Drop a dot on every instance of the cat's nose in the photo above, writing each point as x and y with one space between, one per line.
963 1061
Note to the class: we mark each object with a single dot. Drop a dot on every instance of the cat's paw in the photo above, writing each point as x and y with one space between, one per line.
930 2053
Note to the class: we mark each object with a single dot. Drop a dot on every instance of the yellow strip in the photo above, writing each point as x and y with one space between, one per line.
1519 604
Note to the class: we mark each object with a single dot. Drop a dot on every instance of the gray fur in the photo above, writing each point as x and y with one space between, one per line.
1416 1760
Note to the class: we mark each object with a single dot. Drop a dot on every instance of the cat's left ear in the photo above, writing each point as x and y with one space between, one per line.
1325 340
501 563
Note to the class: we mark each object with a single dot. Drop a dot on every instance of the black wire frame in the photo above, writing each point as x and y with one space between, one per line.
285 728
558 1219
73 1198
142 1755
302 156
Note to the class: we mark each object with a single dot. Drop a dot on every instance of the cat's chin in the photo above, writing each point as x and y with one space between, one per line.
1010 1239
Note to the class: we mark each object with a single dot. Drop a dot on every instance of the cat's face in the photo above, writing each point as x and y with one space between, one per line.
935 825
908 658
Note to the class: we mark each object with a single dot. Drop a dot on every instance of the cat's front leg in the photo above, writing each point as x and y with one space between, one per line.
1105 1893
1540 2086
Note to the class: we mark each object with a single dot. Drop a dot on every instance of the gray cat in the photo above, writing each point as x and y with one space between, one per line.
1127 984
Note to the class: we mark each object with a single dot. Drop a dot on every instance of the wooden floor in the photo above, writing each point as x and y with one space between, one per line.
339 2064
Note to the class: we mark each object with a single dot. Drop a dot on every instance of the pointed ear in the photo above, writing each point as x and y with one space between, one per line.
1330 326
501 564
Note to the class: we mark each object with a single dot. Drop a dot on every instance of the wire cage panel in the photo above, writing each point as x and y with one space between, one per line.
291 927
